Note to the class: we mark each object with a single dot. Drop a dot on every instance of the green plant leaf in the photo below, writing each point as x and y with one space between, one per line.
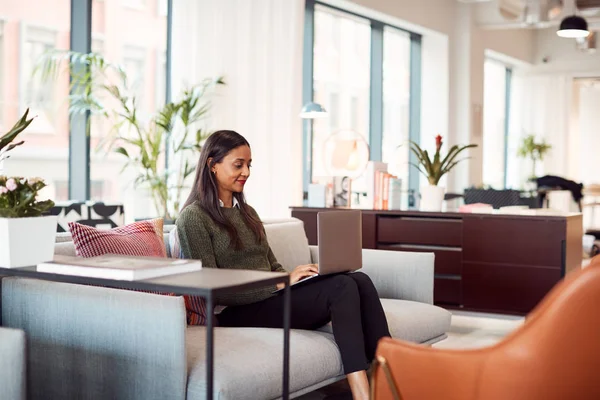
456 151
19 127
121 150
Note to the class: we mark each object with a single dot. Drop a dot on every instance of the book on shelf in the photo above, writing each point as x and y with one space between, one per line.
374 168
395 194
111 266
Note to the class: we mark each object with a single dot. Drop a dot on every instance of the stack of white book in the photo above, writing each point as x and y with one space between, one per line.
111 266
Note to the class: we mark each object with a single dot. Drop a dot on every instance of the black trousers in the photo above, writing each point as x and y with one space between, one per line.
350 301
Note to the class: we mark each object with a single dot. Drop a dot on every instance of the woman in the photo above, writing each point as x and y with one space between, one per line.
219 228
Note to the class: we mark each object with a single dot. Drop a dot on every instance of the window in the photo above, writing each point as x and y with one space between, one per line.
24 37
140 49
38 94
362 74
161 80
2 57
162 8
396 102
334 111
134 63
341 79
134 3
496 82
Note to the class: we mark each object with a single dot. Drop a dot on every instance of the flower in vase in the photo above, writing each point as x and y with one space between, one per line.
11 184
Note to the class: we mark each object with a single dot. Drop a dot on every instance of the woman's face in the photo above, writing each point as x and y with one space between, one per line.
233 171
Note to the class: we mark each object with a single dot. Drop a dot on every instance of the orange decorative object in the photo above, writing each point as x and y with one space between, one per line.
555 355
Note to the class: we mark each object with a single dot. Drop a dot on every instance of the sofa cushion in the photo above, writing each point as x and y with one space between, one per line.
142 238
412 321
65 249
289 243
249 362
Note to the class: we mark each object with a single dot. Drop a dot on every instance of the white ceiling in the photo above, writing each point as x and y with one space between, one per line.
532 14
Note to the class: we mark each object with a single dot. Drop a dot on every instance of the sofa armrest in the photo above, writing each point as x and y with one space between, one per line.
397 274
96 342
12 364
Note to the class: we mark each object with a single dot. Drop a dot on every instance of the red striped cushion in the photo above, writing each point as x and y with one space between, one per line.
143 238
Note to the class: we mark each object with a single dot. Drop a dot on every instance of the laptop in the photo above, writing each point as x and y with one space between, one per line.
340 243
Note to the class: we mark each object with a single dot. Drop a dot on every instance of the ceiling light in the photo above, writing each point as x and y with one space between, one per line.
573 27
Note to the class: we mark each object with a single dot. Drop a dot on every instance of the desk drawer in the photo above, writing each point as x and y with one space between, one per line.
448 261
506 288
447 291
420 231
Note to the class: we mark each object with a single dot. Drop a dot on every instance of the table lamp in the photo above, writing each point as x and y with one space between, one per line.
310 111
346 155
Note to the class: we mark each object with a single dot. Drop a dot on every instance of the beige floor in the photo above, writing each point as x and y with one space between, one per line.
468 330
472 330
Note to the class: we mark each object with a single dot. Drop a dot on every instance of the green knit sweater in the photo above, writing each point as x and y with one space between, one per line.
202 239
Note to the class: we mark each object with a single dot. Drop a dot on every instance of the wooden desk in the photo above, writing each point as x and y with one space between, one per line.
483 262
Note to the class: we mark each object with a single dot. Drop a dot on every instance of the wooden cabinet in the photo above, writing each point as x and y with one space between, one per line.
483 262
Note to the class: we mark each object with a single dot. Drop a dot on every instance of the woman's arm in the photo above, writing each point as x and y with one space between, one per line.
275 266
194 239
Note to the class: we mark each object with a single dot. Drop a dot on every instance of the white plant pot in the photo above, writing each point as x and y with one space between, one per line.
432 197
27 241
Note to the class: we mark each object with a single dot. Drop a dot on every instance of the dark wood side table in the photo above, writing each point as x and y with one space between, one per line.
207 283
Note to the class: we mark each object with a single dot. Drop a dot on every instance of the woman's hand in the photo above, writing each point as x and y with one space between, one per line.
301 272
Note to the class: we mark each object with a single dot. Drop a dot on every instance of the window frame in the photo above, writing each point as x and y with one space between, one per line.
376 89
81 38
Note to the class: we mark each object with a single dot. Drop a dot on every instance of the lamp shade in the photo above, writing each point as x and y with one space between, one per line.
345 153
312 110
573 27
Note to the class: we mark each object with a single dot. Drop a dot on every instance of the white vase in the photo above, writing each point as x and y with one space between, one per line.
27 241
432 197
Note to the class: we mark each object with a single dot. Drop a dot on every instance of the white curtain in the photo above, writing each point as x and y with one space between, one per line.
540 105
257 46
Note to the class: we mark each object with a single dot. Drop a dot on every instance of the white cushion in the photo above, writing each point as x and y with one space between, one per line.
289 243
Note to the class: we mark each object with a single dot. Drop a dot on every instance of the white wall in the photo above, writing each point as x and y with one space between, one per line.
562 56
553 101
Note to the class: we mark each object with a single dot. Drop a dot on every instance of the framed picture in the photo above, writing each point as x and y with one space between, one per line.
342 191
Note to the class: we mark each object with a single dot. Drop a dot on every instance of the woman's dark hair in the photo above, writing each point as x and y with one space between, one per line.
205 192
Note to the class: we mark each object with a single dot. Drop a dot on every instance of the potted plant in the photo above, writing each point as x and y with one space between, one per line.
101 89
26 235
533 150
432 195
6 141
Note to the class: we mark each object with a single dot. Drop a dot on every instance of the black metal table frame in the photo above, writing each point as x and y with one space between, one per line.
207 294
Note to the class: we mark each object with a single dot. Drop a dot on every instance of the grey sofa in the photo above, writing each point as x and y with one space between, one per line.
96 343
12 364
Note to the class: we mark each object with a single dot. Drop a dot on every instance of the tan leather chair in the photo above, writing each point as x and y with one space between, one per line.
554 355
